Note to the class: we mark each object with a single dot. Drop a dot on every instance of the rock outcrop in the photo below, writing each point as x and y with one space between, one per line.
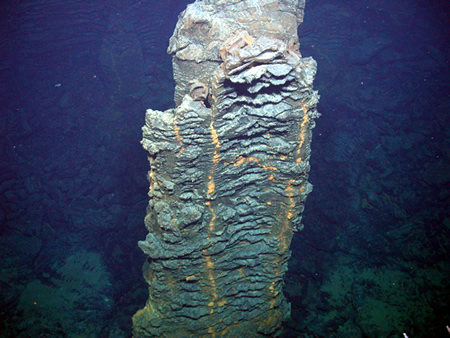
228 171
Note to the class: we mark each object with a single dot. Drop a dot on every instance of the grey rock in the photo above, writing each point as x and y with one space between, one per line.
228 171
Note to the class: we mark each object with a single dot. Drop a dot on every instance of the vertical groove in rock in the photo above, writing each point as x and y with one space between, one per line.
228 171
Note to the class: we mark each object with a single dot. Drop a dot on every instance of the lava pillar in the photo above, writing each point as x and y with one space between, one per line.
228 171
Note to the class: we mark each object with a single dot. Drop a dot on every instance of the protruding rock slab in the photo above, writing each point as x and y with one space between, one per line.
228 171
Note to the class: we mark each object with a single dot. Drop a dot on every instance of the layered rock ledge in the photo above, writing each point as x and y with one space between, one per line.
228 171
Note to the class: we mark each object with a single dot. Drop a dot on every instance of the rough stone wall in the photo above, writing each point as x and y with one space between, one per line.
228 171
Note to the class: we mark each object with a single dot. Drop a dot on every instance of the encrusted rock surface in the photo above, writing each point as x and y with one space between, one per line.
228 171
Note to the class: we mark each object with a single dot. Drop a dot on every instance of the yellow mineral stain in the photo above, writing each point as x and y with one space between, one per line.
239 161
273 291
211 185
289 191
178 136
289 185
303 131
215 138
211 330
242 159
221 302
216 157
212 222
288 215
209 264
287 225
210 269
305 110
151 177
213 217
271 287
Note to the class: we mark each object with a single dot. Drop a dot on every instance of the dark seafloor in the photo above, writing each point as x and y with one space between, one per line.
75 80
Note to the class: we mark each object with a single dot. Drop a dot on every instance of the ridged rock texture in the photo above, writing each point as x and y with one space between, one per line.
228 171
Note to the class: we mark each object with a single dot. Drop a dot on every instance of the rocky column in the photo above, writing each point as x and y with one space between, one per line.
228 171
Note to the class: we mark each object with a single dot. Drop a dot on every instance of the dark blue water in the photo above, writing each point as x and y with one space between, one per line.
75 80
